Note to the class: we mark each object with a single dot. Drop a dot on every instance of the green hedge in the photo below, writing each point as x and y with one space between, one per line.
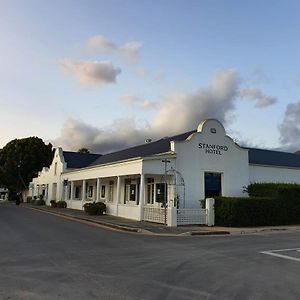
94 208
269 189
259 211
61 204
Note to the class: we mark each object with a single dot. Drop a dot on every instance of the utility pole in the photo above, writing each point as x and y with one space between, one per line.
165 161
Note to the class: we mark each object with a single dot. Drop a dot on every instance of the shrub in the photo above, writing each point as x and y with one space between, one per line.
61 204
53 203
258 211
39 202
266 189
28 199
94 208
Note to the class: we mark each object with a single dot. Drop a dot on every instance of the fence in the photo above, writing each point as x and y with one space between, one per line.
154 214
187 216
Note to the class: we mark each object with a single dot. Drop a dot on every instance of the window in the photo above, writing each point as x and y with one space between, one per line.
132 196
55 168
77 192
160 193
90 191
111 191
150 191
102 191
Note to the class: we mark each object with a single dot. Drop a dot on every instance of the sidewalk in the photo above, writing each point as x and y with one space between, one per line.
154 228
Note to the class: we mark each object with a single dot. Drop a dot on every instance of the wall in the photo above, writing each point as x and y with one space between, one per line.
273 174
49 177
193 161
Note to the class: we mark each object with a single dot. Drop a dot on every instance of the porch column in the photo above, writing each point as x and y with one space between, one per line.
66 192
118 194
98 190
142 196
83 193
72 190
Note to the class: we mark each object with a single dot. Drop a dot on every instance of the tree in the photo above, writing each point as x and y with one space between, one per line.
83 150
20 161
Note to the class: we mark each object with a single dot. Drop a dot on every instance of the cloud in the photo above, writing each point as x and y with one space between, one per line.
139 102
289 129
175 114
255 94
130 51
91 72
184 111
99 44
121 134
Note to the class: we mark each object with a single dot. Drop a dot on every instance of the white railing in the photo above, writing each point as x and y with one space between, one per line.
154 214
187 216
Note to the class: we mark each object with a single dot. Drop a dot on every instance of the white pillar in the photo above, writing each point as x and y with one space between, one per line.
142 196
66 192
72 190
98 190
83 194
172 216
210 206
118 194
72 194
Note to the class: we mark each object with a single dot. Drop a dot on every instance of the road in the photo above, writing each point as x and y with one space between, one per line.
48 257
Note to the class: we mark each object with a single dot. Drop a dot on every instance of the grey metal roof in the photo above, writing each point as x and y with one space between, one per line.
76 160
156 147
273 158
256 156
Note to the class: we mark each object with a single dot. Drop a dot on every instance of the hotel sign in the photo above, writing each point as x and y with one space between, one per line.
213 148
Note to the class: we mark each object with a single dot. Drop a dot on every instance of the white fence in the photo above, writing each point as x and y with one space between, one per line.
182 216
154 214
187 216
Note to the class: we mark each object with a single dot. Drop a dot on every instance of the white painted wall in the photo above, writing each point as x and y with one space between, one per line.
193 162
273 174
111 170
48 176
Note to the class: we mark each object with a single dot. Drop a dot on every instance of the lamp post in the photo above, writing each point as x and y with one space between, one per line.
165 161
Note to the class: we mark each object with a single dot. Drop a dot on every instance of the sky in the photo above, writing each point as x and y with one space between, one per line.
107 75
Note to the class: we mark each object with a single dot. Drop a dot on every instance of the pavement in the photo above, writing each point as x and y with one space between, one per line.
150 228
46 257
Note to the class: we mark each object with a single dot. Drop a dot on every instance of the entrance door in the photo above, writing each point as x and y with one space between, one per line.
213 185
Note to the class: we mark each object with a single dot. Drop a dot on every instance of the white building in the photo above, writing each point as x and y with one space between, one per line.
198 164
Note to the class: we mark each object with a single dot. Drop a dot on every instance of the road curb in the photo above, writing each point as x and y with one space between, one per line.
220 232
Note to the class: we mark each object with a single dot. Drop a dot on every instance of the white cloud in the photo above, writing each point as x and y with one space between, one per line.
182 112
138 101
100 45
91 72
122 133
175 114
290 128
256 95
130 51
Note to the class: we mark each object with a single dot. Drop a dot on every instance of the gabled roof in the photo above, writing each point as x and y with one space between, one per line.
273 158
76 160
156 147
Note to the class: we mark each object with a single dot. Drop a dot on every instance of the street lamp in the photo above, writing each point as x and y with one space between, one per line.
165 161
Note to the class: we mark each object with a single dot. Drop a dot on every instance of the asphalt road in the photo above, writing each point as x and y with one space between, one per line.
48 257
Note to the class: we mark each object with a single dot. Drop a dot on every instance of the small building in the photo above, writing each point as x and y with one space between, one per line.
175 172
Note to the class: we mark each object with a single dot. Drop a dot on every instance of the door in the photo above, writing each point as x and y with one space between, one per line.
213 185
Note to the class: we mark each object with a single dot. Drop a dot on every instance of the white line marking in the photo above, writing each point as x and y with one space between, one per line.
272 253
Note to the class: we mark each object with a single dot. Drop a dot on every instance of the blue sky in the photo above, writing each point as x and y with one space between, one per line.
168 65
